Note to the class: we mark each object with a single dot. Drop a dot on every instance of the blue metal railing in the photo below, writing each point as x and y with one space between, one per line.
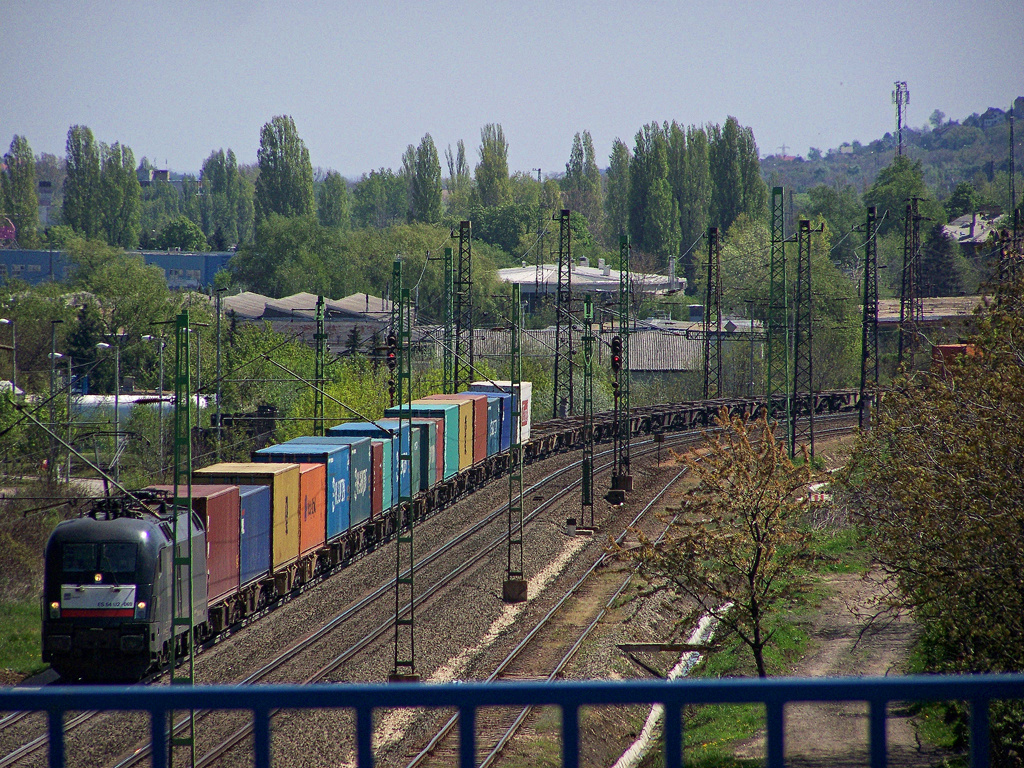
976 690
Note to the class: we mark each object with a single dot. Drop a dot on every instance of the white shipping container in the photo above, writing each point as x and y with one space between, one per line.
526 387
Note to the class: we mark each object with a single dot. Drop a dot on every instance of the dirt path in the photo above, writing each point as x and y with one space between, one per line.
837 734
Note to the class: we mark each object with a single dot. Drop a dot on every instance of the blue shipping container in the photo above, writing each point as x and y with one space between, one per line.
336 459
380 430
360 473
254 530
493 421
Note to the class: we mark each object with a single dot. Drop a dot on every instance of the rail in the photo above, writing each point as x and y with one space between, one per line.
978 691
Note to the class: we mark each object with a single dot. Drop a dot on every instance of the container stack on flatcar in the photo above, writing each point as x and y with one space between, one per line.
297 511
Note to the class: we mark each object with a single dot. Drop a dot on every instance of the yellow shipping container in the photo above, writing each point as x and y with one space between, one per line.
465 425
283 480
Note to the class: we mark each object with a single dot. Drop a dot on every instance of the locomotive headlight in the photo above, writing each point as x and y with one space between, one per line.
54 610
98 578
140 609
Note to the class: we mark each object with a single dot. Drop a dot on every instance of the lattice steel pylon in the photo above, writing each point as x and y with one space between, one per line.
449 323
622 478
514 588
405 628
901 98
911 306
182 605
778 345
562 397
320 337
587 484
462 309
869 324
803 344
713 320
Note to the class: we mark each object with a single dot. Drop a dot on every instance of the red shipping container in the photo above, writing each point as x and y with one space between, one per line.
438 448
313 498
218 508
377 480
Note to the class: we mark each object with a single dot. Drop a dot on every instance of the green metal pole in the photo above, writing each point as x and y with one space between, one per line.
182 609
587 485
320 337
514 588
778 379
449 322
405 629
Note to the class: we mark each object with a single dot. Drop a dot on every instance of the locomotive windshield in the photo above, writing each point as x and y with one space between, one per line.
116 558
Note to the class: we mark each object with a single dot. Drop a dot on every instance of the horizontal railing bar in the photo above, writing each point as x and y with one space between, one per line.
978 688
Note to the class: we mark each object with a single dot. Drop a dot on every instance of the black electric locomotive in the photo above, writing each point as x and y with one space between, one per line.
107 589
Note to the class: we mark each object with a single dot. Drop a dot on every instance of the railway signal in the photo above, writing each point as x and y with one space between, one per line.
616 353
392 352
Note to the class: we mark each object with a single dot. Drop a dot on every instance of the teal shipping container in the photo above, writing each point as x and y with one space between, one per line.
425 434
437 409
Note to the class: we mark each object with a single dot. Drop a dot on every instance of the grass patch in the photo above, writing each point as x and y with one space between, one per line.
838 550
20 637
711 732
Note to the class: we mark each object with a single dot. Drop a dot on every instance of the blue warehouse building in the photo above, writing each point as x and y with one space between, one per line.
182 270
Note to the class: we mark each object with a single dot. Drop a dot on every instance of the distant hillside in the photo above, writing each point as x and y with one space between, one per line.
975 149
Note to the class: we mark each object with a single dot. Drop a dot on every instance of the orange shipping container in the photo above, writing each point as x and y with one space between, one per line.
313 500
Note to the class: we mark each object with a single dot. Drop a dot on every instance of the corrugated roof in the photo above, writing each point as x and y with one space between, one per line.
589 279
303 305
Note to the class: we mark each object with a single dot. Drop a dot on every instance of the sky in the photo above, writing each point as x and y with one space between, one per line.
362 80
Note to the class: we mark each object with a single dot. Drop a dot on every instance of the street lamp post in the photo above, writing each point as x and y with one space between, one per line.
14 356
220 292
68 470
54 355
117 403
160 396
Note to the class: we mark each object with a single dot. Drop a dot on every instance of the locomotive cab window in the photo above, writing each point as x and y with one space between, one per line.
115 558
118 558
79 558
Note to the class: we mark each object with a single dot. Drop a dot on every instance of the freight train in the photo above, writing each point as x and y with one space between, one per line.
298 510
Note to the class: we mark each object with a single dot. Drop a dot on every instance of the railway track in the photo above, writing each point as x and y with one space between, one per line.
465 565
264 673
494 728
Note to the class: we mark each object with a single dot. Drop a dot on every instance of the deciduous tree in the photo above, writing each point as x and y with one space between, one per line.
182 233
460 181
581 185
937 481
333 207
120 194
380 199
285 182
733 549
616 201
425 192
492 171
226 203
82 210
18 198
